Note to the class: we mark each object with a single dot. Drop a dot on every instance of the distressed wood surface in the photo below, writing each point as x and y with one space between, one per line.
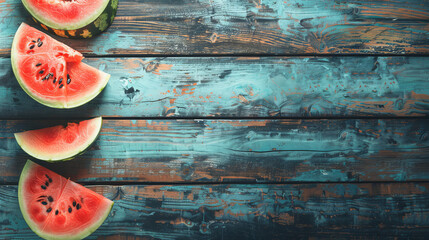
343 211
239 151
188 27
242 87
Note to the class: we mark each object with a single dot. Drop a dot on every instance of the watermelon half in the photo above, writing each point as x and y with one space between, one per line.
73 18
51 72
57 208
60 142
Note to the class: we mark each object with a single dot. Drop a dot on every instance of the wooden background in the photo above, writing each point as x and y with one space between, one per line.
248 119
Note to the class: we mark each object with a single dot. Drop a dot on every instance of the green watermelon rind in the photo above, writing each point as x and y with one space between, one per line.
33 227
60 158
94 94
64 26
51 103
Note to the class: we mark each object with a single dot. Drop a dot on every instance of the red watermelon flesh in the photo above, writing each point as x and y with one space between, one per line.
60 142
51 72
55 207
66 14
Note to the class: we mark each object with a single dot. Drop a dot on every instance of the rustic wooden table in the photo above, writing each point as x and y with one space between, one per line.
249 119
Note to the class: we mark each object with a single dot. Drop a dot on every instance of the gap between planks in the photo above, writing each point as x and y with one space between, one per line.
86 55
221 118
122 183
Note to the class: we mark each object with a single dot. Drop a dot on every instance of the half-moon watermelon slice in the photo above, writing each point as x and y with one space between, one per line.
73 18
51 72
59 142
57 208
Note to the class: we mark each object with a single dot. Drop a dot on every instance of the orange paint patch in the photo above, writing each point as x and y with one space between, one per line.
248 58
156 193
243 99
255 123
239 214
131 63
164 67
202 175
415 95
213 38
184 221
161 67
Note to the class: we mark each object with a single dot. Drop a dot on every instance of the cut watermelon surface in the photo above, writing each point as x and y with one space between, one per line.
57 208
69 15
60 142
51 72
73 18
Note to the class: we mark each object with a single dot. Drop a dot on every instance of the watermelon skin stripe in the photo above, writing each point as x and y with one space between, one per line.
99 25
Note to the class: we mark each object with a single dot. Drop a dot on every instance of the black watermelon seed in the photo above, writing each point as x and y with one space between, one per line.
42 71
70 209
39 64
68 81
56 212
40 200
32 46
50 75
60 81
50 199
39 44
47 175
49 210
44 203
78 206
61 86
33 41
43 187
50 179
74 203
38 40
55 79
47 183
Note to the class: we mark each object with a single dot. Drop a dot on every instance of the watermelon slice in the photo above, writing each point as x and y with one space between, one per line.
51 72
57 208
73 18
59 142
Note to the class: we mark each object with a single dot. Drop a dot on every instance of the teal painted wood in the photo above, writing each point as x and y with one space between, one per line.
250 212
242 87
250 27
239 151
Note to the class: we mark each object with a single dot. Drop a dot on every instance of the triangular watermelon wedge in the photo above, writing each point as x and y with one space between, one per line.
51 72
60 143
57 208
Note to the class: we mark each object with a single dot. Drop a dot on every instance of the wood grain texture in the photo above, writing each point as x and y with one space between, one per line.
242 87
340 211
213 27
239 151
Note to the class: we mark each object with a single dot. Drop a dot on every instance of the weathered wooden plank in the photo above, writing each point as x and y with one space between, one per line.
243 87
239 151
251 27
398 210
